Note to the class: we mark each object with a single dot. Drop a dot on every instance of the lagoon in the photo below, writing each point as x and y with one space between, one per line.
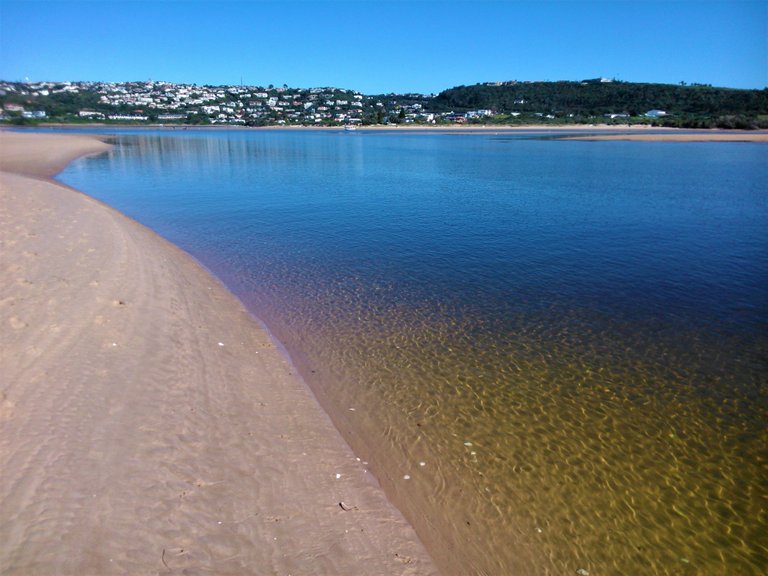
551 353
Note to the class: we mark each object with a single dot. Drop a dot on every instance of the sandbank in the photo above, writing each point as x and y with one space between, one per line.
677 136
148 423
594 132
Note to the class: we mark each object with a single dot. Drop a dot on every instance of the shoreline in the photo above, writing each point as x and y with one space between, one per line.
627 132
721 136
148 422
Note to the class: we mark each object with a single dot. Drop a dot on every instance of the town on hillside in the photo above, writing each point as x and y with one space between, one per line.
587 101
165 102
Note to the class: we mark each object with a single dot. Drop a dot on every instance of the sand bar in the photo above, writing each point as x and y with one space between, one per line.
593 132
148 424
677 136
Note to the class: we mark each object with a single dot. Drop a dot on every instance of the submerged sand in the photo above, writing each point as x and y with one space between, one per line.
148 424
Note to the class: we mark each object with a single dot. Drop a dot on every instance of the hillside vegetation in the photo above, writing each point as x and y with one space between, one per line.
694 105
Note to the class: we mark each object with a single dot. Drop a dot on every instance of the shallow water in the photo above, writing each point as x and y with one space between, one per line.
561 344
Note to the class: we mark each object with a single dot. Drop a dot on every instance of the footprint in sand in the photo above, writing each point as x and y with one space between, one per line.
6 407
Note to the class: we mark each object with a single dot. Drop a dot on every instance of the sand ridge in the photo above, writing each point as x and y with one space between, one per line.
148 424
698 136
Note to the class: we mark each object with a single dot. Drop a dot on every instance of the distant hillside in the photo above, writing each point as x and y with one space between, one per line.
508 103
596 98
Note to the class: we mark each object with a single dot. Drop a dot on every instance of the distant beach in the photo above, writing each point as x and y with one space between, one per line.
148 423
682 136
595 132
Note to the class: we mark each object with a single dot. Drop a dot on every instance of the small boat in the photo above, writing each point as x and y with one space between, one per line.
349 128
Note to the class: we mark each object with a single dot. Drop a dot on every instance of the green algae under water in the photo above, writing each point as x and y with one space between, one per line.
552 355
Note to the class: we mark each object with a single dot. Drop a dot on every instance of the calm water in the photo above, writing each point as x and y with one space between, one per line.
564 345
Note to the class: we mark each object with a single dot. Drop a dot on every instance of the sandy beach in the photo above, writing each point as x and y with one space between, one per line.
148 423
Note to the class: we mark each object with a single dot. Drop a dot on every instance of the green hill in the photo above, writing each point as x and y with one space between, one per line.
697 105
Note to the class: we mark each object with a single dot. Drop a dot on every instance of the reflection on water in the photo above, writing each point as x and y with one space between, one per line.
561 344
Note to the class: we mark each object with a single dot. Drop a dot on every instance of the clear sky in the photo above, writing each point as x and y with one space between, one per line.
385 46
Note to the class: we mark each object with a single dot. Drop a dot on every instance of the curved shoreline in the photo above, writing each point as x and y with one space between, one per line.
148 423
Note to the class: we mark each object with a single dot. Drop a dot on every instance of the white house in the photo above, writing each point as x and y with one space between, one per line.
127 117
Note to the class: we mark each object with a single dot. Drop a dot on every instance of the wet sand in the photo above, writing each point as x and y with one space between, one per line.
148 423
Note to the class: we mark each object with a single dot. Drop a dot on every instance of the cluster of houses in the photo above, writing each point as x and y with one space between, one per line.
168 102
165 102
12 108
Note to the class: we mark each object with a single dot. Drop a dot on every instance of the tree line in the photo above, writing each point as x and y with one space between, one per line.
698 105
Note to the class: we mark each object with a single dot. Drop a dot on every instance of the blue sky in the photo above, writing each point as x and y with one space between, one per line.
385 46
